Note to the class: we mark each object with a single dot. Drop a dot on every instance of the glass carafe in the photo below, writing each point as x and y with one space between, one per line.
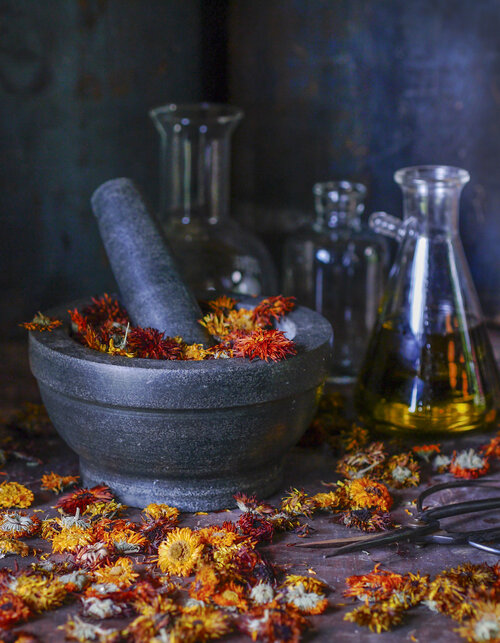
429 367
336 266
214 253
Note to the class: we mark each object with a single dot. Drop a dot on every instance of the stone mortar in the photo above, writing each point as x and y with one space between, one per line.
187 433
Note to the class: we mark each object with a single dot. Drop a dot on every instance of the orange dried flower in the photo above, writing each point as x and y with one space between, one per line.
426 451
56 483
231 595
264 344
272 308
366 493
222 304
378 584
42 323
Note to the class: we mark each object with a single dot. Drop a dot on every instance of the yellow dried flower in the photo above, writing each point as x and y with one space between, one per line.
40 594
199 624
13 494
484 625
156 511
12 546
70 539
179 552
120 573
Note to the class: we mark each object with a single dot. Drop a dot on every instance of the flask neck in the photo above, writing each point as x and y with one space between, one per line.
339 204
431 196
195 156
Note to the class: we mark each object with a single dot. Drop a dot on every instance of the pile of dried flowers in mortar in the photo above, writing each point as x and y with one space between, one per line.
104 326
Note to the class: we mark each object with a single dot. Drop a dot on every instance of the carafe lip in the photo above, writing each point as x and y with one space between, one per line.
197 113
431 174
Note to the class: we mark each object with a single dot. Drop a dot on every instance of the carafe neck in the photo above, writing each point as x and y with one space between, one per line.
431 196
195 149
339 204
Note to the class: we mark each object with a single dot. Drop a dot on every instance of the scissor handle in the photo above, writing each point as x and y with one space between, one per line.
452 485
470 506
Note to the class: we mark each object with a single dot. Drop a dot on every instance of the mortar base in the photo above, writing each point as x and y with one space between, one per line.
187 494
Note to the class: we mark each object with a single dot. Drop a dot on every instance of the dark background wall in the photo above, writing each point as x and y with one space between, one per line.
330 88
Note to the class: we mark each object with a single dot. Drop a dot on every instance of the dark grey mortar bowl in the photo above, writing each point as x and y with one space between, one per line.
190 434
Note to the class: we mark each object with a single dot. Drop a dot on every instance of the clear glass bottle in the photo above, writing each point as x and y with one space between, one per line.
429 367
336 266
214 253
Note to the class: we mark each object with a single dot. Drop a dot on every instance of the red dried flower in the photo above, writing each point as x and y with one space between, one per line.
12 610
263 344
155 531
82 498
149 343
272 308
255 527
103 309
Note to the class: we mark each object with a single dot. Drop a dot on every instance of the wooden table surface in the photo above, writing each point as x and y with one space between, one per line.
306 468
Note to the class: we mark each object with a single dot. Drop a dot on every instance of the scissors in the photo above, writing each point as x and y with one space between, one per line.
426 527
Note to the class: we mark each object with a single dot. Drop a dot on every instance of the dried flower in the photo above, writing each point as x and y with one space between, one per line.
272 308
156 511
82 498
222 304
367 519
264 344
468 464
13 610
56 483
378 584
255 527
231 595
367 462
441 463
120 573
71 539
14 547
13 494
484 625
40 594
103 309
199 624
179 552
18 525
150 343
77 630
366 493
401 470
298 503
41 323
380 617
426 451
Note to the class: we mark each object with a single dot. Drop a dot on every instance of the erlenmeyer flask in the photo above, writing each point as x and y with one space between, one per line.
429 366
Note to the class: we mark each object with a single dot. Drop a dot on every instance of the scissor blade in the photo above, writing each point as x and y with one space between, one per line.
405 533
333 541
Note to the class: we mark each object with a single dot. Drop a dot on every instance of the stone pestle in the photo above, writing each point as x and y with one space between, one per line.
151 287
